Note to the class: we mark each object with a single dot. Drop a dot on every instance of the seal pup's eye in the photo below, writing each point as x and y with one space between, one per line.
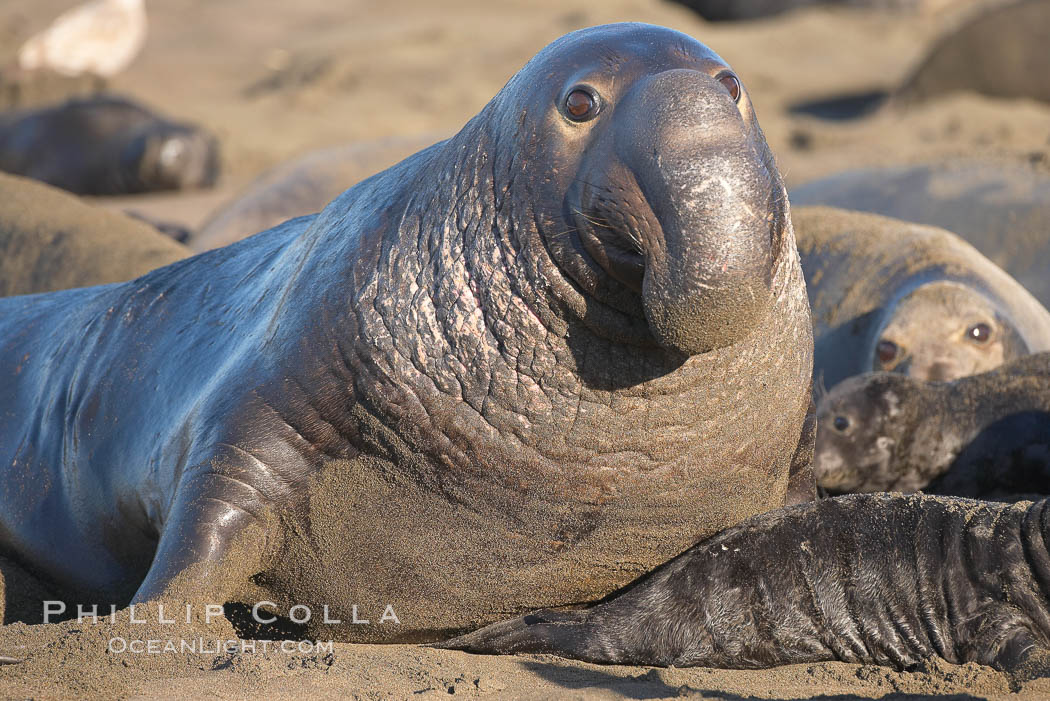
886 351
731 83
841 423
979 333
581 104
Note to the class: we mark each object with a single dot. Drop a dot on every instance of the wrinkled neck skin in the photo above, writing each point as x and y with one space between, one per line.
472 346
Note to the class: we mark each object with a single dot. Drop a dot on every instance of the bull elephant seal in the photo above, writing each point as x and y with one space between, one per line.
891 295
50 240
106 145
518 369
1003 210
302 186
982 436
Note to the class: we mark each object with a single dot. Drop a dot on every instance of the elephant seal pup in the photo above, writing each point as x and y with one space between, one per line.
982 436
864 578
106 145
891 295
302 186
50 240
520 368
1003 210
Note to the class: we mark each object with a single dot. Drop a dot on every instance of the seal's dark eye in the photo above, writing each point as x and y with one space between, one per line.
841 423
979 333
732 84
581 104
886 351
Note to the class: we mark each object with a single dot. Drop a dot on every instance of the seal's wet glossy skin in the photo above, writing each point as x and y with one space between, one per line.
519 369
979 436
106 146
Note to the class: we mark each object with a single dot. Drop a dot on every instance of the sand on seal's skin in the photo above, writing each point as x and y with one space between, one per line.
275 79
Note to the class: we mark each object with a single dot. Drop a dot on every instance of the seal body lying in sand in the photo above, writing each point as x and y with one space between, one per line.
106 145
1003 210
518 369
998 51
302 186
890 295
986 435
50 240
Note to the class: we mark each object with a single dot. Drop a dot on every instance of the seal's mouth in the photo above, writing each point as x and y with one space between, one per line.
618 252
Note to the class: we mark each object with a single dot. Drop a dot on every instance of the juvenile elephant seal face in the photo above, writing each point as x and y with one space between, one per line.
860 424
945 330
671 206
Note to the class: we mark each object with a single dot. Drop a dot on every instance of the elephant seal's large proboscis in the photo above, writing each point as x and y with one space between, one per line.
518 369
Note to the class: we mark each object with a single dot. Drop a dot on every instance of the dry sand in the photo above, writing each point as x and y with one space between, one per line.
275 79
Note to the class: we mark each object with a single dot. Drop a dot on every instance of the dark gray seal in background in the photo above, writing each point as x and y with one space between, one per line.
302 186
891 295
520 368
995 48
1000 50
1002 209
50 240
105 145
735 10
982 436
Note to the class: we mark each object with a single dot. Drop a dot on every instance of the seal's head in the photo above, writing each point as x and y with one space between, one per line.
944 330
862 424
669 204
172 157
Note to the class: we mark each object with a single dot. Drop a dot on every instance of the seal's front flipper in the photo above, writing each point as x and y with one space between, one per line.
213 541
869 578
563 633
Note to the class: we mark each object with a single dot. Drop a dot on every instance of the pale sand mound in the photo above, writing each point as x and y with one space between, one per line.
51 240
